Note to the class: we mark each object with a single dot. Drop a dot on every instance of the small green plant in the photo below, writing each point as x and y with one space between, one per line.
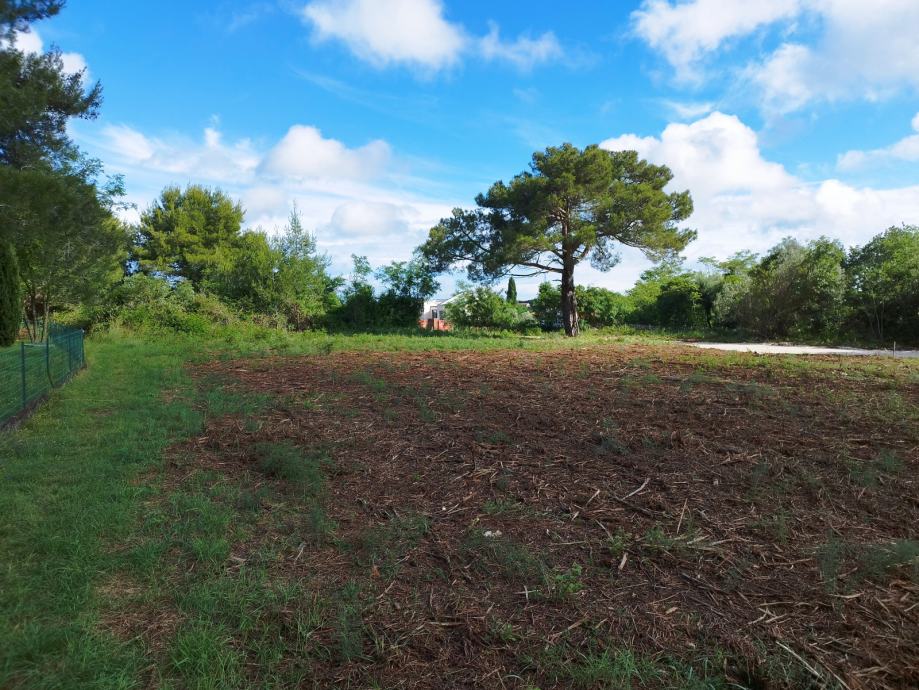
221 400
501 506
696 377
379 387
251 500
596 668
318 524
203 654
565 583
829 561
876 561
349 622
285 461
384 545
424 410
502 631
775 525
618 543
497 553
656 538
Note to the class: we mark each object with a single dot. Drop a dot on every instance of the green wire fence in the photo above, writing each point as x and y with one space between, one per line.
28 371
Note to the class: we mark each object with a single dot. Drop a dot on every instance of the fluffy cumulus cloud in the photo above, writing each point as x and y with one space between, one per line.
830 50
304 152
350 196
905 150
31 42
744 201
417 33
685 32
414 32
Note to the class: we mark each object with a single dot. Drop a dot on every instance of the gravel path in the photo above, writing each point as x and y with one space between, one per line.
767 348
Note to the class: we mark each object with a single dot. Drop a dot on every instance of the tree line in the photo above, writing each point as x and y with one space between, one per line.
812 291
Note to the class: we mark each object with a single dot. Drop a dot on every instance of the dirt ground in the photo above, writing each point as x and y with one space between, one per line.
545 519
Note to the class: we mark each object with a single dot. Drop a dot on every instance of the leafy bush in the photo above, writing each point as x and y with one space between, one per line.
597 307
485 308
795 291
398 305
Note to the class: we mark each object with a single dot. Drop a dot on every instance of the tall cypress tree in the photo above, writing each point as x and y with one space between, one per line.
511 290
10 303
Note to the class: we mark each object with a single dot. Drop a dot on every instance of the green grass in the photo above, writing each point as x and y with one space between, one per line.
66 495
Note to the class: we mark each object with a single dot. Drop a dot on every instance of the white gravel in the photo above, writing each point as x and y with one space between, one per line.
770 349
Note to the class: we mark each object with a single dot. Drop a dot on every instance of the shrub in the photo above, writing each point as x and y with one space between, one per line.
485 308
10 306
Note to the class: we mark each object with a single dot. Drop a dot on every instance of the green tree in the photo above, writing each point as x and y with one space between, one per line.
10 301
283 275
245 273
53 207
722 284
680 303
406 285
796 290
307 290
185 232
69 245
884 283
16 15
570 206
511 290
37 97
358 309
647 289
546 306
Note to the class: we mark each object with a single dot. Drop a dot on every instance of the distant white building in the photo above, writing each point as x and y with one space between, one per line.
434 314
436 308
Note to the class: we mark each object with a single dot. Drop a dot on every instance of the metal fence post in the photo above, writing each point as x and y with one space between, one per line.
48 361
25 396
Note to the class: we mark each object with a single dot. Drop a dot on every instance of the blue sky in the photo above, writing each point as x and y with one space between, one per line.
782 117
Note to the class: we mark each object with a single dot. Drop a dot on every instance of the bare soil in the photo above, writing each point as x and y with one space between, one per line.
512 516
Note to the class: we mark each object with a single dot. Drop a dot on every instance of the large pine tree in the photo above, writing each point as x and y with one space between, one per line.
572 205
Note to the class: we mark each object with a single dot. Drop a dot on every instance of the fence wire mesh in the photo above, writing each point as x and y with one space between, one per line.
29 370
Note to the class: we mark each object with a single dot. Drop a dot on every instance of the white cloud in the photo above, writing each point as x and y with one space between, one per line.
907 150
304 152
352 199
413 32
688 110
524 53
31 42
28 42
744 201
687 31
861 50
417 34
209 160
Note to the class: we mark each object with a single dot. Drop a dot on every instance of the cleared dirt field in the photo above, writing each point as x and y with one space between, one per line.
621 516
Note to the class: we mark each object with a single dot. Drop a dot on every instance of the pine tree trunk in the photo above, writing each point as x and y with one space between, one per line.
569 300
